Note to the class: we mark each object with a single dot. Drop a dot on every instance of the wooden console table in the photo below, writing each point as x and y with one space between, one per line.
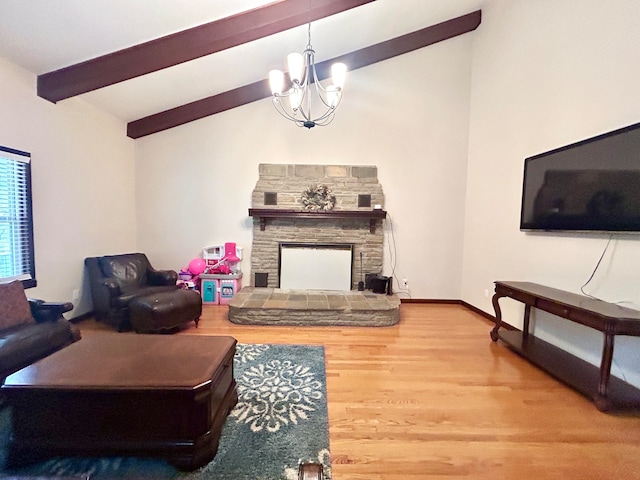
607 392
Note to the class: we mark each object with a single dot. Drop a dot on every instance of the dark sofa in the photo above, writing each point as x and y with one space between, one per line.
30 330
116 280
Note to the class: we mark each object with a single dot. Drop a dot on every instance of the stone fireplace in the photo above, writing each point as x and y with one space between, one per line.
279 217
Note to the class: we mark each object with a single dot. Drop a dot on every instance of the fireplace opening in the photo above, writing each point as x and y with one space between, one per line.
313 266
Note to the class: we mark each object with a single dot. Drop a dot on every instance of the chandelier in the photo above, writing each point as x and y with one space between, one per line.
306 93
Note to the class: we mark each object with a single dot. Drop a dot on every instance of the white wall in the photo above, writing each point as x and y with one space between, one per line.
547 74
82 182
408 116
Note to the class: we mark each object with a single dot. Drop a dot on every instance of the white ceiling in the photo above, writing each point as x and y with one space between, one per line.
46 35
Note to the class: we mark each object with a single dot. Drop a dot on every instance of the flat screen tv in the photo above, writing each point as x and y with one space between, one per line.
588 186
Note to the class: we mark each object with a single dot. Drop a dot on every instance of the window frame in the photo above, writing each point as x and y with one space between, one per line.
25 240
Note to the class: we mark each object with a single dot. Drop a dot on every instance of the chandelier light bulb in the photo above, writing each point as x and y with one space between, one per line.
276 82
296 65
339 74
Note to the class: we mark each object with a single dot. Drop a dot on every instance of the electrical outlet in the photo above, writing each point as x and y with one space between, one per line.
486 292
405 283
75 294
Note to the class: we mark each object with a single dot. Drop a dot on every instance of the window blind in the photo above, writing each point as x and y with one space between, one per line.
17 260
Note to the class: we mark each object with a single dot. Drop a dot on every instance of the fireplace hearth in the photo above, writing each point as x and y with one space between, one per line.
275 306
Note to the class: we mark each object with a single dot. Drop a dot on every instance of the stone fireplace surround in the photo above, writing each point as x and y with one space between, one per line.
280 187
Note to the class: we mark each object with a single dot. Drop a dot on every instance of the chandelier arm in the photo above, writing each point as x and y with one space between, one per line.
306 116
317 80
325 115
283 113
302 86
323 124
325 120
290 114
323 93
331 107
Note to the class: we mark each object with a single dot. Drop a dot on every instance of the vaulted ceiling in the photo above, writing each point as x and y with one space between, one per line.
157 64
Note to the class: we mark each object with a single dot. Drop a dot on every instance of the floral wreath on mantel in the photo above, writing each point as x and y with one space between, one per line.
318 197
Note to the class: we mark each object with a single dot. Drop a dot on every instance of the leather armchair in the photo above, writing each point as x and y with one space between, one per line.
115 280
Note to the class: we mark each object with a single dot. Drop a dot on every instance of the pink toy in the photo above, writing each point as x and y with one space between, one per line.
197 266
185 274
222 260
230 257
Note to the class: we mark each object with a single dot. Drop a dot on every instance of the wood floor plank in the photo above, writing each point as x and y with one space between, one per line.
434 398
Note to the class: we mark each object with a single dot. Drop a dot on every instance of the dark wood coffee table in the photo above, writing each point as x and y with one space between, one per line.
125 394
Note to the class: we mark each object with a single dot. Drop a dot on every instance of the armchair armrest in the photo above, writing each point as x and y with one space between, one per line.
162 277
48 311
112 286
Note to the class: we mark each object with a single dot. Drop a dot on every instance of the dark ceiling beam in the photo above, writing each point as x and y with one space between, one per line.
186 45
259 90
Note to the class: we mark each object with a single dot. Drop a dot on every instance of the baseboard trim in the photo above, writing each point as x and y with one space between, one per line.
486 315
482 313
430 300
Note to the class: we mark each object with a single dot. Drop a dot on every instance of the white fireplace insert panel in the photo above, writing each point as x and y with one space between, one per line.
316 267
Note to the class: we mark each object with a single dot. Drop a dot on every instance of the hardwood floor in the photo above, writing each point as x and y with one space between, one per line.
434 398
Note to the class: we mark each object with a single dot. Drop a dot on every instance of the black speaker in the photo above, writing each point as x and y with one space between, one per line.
381 284
367 280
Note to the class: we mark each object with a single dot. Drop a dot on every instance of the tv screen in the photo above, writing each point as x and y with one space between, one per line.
592 185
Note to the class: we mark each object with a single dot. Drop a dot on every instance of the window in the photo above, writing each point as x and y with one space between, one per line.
17 260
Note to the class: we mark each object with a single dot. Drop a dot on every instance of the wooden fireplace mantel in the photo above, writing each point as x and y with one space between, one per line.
265 213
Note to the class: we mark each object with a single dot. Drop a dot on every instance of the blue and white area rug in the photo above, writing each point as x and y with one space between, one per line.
280 421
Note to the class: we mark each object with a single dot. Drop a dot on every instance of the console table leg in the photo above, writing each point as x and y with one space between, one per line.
496 308
602 400
525 324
